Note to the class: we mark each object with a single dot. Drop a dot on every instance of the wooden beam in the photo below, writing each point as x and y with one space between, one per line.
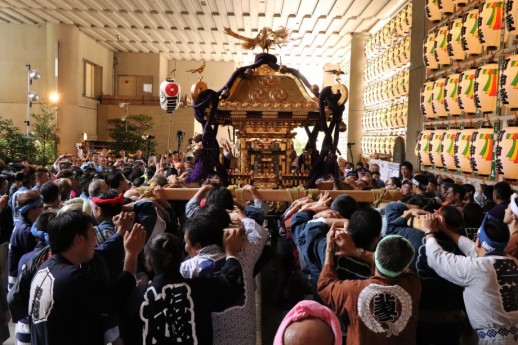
292 194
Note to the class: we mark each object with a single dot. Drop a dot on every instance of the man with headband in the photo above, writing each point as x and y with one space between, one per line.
488 275
383 308
511 219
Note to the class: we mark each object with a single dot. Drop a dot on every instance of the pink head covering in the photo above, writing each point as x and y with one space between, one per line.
305 309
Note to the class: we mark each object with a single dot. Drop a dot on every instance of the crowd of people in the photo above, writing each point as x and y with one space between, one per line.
93 253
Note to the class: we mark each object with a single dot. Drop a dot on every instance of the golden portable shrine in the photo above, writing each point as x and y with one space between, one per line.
264 103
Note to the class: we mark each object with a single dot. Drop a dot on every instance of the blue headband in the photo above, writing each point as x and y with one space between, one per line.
25 208
487 243
383 270
43 235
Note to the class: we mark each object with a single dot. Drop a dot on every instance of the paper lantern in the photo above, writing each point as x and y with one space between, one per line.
490 23
405 51
462 152
433 13
486 87
451 95
509 82
429 55
461 3
405 22
441 46
448 145
438 98
454 40
511 14
469 35
507 153
423 147
466 91
446 6
386 37
170 92
403 115
482 142
426 99
436 147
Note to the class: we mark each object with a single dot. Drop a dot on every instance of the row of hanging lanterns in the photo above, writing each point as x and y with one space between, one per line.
472 89
386 90
392 59
470 150
475 88
399 26
477 29
375 145
395 116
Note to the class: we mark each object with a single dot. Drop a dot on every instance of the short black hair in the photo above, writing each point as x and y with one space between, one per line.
407 164
457 188
473 215
396 181
394 253
42 222
165 252
497 231
453 218
109 210
114 179
221 196
503 190
345 205
203 230
49 192
64 228
364 226
216 213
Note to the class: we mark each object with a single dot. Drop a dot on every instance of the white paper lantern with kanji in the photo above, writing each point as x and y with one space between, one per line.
451 95
433 13
423 147
405 22
467 91
447 146
490 23
170 93
438 98
509 82
507 153
511 16
486 87
436 147
427 99
462 150
469 37
482 142
429 52
454 40
441 46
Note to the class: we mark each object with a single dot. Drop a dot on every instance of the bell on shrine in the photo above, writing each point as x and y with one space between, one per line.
482 142
486 87
469 37
509 82
507 153
462 150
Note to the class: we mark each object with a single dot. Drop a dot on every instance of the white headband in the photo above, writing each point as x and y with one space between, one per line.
514 207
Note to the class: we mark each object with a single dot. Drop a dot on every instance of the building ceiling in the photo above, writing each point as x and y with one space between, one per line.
320 31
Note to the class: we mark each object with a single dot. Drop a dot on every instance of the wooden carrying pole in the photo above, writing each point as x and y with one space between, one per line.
292 194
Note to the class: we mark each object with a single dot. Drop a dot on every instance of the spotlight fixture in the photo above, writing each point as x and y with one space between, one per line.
32 96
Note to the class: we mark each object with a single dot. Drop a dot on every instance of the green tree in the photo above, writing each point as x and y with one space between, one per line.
44 132
128 135
13 144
